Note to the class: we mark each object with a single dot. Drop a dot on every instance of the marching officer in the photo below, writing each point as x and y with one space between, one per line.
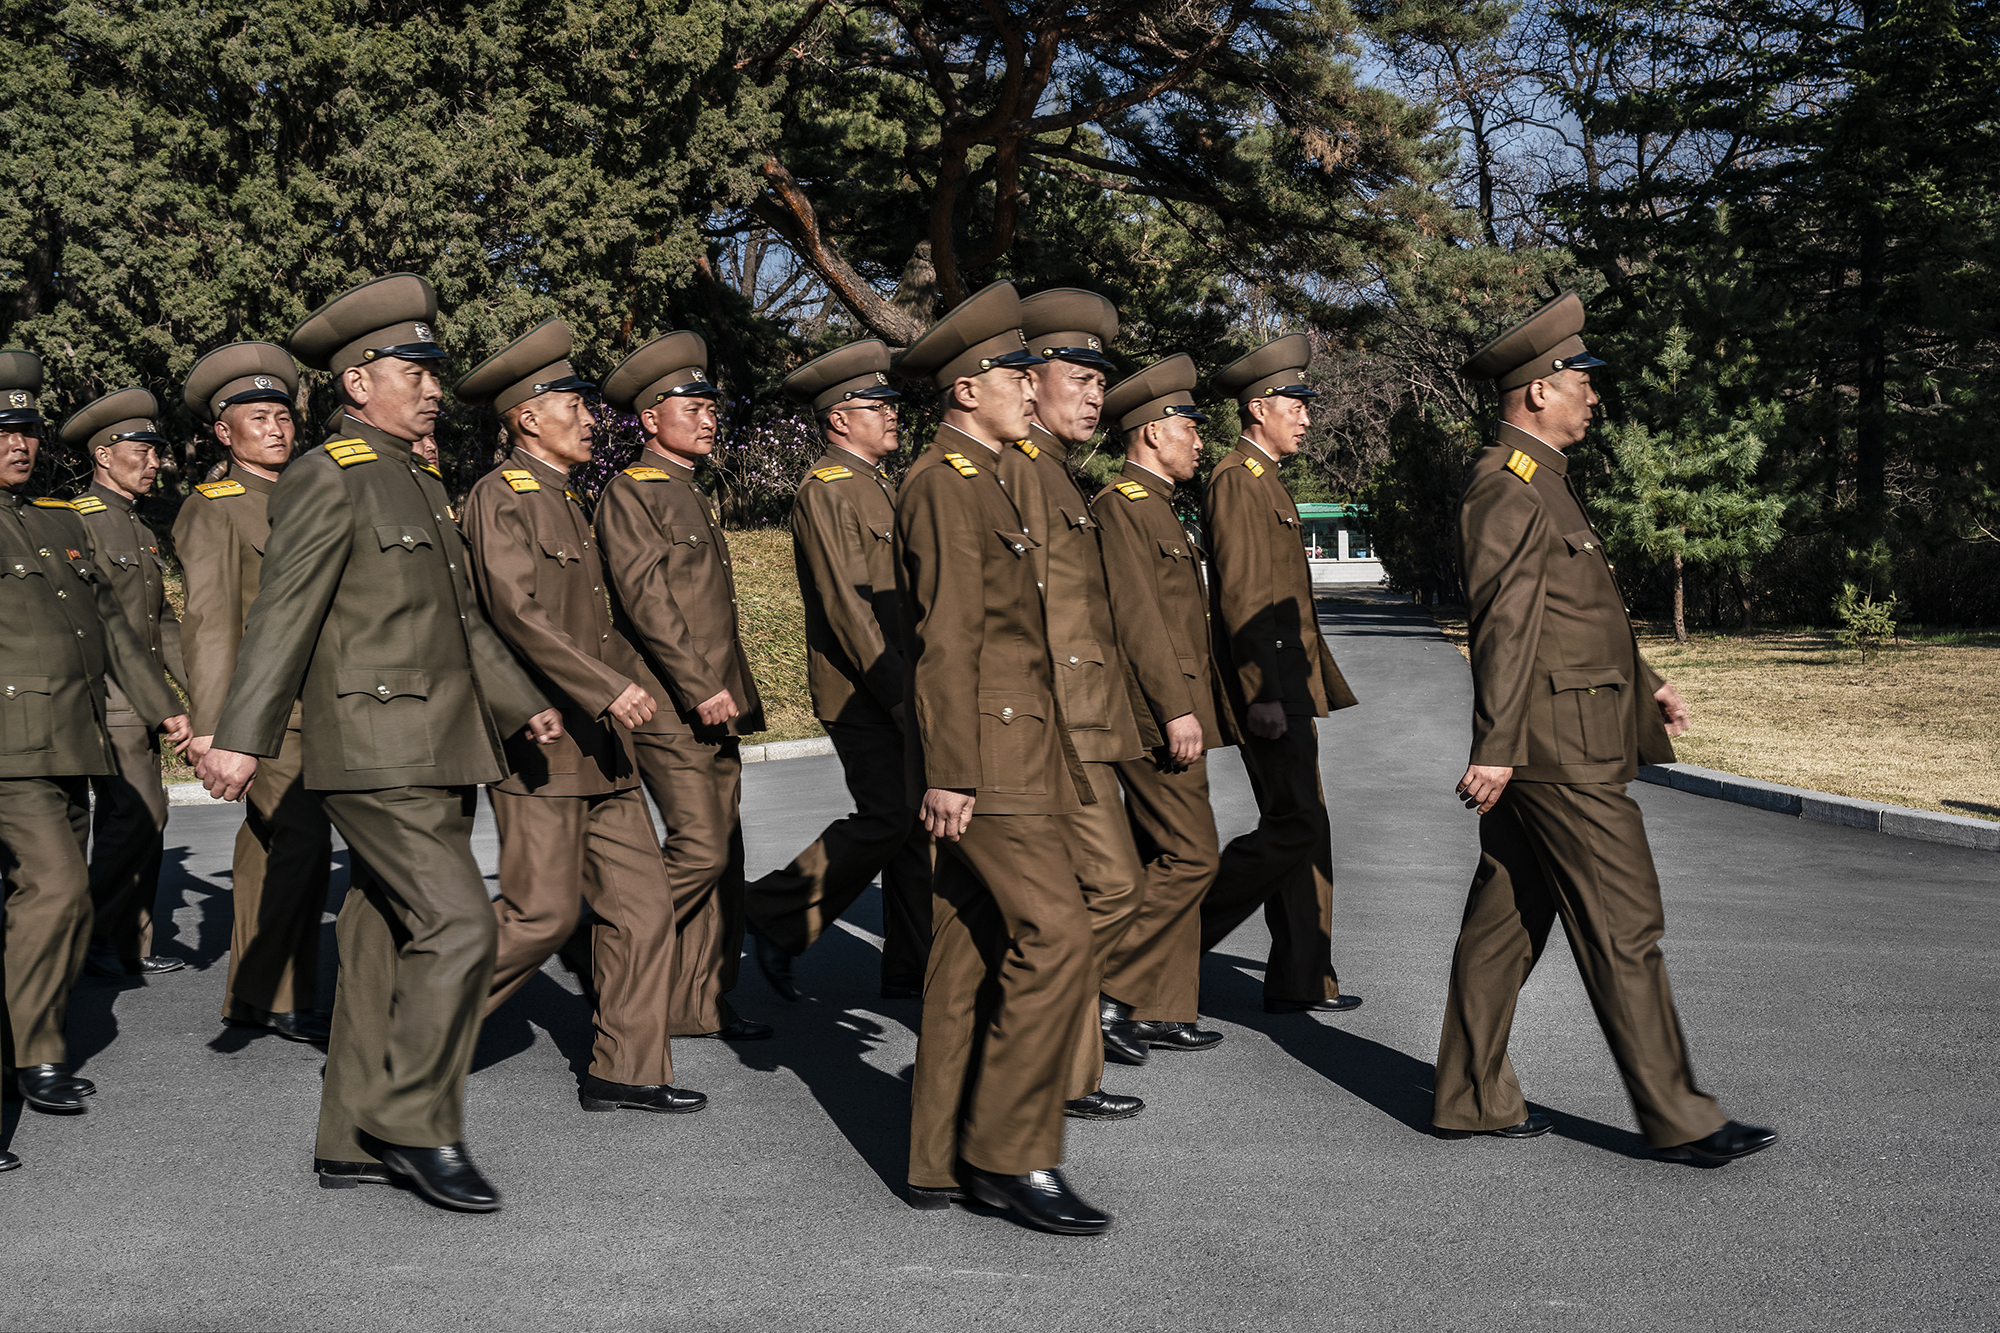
675 595
63 641
1157 596
1278 675
993 763
573 823
1564 712
284 849
1069 330
366 606
843 529
119 433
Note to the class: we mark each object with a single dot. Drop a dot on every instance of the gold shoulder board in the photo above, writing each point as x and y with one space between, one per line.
1256 468
1132 490
433 471
47 502
832 474
965 469
348 453
647 474
521 480
87 504
1522 466
1029 448
572 497
220 490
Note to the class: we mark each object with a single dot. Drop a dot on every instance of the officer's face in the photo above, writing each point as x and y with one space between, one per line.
682 427
1178 443
17 457
559 427
129 466
258 435
1069 398
426 449
865 428
1001 401
397 396
1284 421
1567 400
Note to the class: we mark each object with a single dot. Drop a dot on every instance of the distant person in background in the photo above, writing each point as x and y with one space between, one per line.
426 450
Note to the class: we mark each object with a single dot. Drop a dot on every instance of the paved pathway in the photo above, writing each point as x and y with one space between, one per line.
1842 986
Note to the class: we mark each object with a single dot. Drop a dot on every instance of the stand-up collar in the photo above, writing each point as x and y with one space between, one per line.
1544 454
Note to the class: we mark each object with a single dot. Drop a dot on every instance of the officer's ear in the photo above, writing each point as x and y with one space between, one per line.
964 393
1256 408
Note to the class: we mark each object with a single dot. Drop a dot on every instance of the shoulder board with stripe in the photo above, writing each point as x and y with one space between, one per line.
1256 468
648 474
49 502
834 473
1522 466
87 504
964 468
1028 447
220 490
433 471
348 453
1131 490
521 480
573 497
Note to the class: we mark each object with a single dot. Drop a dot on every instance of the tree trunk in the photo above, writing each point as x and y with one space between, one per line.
1741 586
1680 602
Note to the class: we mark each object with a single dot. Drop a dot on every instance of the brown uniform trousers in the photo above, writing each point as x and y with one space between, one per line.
1007 990
283 860
843 526
1561 696
674 597
44 828
573 825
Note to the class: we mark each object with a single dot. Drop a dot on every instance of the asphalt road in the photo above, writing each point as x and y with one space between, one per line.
1839 985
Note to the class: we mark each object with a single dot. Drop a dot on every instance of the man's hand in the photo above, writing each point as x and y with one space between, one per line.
178 731
1673 709
197 748
714 712
1268 719
1184 740
633 707
225 774
545 727
1482 784
947 812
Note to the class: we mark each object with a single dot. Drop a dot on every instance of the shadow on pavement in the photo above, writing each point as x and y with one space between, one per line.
180 888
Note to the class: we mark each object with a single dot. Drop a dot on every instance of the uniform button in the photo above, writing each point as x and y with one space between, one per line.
19 569
1006 712
60 593
10 691
79 634
1591 690
1072 659
384 689
1019 547
44 551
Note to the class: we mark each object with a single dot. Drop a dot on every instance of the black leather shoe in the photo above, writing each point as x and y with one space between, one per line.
152 967
1042 1199
1102 1105
1733 1140
1121 1042
82 1084
306 1025
598 1094
8 1161
1339 1004
776 965
346 1175
1533 1127
931 1201
901 989
50 1088
741 1030
1174 1036
444 1176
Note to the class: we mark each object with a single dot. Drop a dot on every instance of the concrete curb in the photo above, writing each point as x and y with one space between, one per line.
191 793
1895 820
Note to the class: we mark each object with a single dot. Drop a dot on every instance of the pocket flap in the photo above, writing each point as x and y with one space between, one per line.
1080 654
20 566
690 536
1075 517
882 531
1587 678
402 536
1020 543
1290 520
383 683
122 557
1581 541
13 687
1176 550
561 550
1010 707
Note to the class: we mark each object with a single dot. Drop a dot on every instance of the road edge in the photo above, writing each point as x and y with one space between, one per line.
1898 821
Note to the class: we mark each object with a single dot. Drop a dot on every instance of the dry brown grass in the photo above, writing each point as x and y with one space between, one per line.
1918 724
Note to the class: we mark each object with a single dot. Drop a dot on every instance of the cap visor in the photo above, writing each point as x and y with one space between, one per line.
1020 360
412 351
571 384
1083 356
880 392
1583 361
21 417
1297 391
257 396
1190 413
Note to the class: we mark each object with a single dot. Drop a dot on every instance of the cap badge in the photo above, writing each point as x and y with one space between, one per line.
423 331
262 381
1094 344
880 378
17 399
699 377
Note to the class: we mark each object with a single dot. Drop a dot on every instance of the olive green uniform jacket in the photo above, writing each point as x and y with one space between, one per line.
843 544
127 553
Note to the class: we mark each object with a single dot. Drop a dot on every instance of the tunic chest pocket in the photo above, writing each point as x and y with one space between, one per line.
1080 675
1590 705
1075 518
26 725
1013 738
1580 542
690 536
882 531
1019 543
125 560
383 717
402 536
1287 518
1176 550
20 566
561 550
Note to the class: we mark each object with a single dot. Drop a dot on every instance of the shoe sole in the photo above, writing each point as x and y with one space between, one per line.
1101 1115
328 1181
13 1165
997 1200
55 1108
598 1104
1174 1046
1687 1153
423 1187
934 1201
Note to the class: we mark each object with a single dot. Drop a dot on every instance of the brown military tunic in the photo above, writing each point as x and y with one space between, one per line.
284 849
843 529
63 642
674 595
1268 648
573 824
1010 925
1158 596
1562 696
129 814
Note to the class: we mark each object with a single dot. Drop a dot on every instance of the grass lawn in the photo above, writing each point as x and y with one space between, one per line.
1918 724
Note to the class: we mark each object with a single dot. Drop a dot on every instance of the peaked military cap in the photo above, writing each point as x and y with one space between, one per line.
1069 324
1163 389
673 365
533 364
981 333
129 414
240 373
393 316
20 388
1278 367
1545 342
858 370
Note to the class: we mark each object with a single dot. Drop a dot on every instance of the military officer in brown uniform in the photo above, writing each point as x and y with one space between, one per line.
284 849
1157 596
366 607
1279 676
63 641
1007 993
119 434
843 526
674 593
573 822
1564 712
